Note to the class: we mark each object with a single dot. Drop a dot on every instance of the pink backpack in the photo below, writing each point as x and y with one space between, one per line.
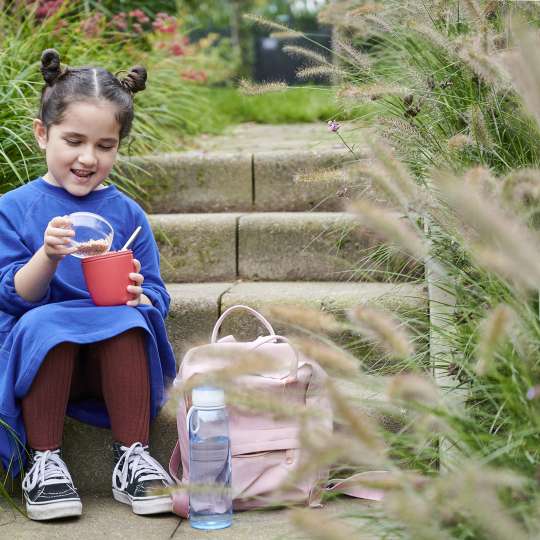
265 451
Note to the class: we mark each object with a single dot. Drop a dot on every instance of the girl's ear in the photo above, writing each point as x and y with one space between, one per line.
40 132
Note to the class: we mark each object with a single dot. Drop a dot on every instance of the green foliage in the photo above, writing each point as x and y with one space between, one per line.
227 106
164 109
455 92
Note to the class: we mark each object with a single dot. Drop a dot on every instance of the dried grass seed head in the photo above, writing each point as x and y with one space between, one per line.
249 88
381 327
411 388
392 228
305 317
332 358
493 332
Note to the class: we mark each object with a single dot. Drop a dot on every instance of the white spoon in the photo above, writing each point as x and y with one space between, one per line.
131 238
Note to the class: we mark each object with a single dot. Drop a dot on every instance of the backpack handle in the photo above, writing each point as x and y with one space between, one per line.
225 314
293 374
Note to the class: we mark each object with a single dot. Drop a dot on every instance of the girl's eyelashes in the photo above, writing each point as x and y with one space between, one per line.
102 146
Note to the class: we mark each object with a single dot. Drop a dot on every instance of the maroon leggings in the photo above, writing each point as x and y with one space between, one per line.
115 370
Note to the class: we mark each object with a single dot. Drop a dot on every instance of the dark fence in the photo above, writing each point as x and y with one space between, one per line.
272 64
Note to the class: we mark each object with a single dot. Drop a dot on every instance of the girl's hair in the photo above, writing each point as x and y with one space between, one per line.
68 85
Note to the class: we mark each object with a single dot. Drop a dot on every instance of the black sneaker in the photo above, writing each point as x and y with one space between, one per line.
48 488
139 480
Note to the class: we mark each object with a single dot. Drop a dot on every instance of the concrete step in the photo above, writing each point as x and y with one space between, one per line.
102 515
227 181
284 246
196 306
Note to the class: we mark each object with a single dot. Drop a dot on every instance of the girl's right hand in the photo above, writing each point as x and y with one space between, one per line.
56 238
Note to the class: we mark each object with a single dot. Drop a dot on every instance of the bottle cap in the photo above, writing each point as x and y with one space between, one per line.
208 397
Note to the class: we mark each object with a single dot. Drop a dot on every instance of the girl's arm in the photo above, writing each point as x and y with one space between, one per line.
32 280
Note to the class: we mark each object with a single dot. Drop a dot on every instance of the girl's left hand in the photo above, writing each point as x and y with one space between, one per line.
136 289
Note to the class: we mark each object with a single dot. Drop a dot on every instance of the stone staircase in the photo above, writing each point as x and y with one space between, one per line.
234 227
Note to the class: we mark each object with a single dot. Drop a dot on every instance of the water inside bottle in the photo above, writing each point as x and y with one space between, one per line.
210 498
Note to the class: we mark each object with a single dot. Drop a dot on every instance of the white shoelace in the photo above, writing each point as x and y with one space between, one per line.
136 462
48 469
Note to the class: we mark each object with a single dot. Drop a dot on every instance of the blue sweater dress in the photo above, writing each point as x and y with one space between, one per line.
28 330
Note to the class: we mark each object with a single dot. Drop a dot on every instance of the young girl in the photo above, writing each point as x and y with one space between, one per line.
107 366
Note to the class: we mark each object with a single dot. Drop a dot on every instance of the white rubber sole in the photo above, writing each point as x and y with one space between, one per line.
55 510
148 505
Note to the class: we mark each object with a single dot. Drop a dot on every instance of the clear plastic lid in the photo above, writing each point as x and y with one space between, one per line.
93 234
208 397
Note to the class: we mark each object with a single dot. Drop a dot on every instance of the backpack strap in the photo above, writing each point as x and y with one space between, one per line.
352 486
180 498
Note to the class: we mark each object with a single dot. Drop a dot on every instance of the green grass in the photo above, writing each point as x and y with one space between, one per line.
227 106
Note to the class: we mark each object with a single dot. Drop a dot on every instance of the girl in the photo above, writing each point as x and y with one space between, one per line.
107 366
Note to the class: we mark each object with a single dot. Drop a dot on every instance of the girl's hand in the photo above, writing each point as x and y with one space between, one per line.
136 289
56 239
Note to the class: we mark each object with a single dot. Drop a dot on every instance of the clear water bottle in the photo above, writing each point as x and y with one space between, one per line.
210 498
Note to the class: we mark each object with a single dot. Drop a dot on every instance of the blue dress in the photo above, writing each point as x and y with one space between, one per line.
28 330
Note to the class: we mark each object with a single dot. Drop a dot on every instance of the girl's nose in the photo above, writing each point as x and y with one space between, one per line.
87 157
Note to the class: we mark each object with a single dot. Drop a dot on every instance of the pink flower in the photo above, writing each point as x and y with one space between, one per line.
48 8
91 26
165 24
177 49
534 392
59 25
333 126
140 15
137 28
194 75
119 21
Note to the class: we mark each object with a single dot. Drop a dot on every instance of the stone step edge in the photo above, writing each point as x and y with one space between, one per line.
259 246
195 181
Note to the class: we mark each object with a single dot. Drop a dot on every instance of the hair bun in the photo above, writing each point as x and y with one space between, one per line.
50 66
135 80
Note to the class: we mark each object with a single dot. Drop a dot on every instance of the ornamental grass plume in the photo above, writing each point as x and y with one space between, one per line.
359 425
302 52
305 317
272 25
478 489
331 357
392 228
320 71
523 64
241 395
412 388
478 128
249 88
324 529
493 332
487 67
499 242
357 58
459 142
371 92
380 327
521 191
416 512
395 179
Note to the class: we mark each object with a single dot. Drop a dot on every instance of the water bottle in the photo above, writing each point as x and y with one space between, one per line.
210 498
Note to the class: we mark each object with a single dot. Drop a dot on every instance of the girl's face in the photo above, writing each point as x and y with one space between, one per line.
81 149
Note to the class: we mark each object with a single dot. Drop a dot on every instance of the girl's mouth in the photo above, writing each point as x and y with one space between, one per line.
82 174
